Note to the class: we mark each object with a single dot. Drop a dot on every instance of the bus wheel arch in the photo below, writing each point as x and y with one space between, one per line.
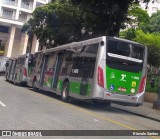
65 91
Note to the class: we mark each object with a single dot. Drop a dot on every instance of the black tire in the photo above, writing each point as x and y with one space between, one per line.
65 92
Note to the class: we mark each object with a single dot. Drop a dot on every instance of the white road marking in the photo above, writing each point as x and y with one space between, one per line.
1 103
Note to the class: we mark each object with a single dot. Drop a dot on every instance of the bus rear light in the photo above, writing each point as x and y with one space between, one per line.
100 77
24 71
142 84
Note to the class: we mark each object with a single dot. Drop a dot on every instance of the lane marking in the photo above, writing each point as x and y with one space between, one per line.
99 116
87 112
1 103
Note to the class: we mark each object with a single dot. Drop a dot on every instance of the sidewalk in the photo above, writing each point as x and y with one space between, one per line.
145 110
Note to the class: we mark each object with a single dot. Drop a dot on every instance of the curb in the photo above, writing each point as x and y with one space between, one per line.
135 113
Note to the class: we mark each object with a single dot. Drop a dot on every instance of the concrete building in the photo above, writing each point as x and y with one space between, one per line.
152 7
13 14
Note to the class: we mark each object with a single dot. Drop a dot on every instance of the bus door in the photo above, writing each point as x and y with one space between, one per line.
45 60
84 82
49 70
57 70
88 65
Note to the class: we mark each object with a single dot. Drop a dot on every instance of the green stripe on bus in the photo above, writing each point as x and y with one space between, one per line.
74 87
122 82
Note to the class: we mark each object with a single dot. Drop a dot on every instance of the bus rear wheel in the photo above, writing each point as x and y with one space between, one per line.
65 92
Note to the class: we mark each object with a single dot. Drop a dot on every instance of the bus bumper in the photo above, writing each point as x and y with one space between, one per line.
135 100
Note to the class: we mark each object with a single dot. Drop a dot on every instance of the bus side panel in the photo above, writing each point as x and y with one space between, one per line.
78 68
97 90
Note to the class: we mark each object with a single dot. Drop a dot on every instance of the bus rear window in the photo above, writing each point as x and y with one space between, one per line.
125 49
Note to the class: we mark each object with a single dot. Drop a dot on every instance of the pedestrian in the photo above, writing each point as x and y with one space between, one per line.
153 82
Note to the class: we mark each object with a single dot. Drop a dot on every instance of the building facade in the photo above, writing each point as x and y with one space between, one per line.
13 14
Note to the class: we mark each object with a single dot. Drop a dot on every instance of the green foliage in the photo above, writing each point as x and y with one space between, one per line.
128 34
62 20
148 83
155 22
55 21
103 17
153 42
137 16
137 19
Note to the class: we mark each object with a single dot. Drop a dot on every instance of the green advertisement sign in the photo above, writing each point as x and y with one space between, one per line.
122 82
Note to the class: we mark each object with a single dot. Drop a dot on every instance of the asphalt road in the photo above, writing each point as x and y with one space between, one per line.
23 109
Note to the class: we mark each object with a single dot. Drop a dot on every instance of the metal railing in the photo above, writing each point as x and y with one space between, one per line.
9 2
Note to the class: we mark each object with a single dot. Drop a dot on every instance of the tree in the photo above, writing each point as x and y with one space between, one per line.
137 19
155 22
63 20
55 21
103 17
137 16
152 41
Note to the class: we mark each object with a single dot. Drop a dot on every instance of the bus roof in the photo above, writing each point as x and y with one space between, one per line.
75 44
86 42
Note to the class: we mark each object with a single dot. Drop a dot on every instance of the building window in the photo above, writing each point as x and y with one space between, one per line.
7 14
4 29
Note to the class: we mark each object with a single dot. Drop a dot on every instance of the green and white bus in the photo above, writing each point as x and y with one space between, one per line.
103 69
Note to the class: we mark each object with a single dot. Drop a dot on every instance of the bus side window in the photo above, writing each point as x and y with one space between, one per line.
50 63
66 66
90 54
77 63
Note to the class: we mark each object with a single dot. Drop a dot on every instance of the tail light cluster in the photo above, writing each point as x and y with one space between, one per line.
24 71
100 77
142 84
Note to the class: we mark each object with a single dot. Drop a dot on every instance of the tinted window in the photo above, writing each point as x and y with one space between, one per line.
66 65
125 49
84 62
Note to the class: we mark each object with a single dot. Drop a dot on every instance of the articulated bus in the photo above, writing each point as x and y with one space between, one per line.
35 67
18 68
104 69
